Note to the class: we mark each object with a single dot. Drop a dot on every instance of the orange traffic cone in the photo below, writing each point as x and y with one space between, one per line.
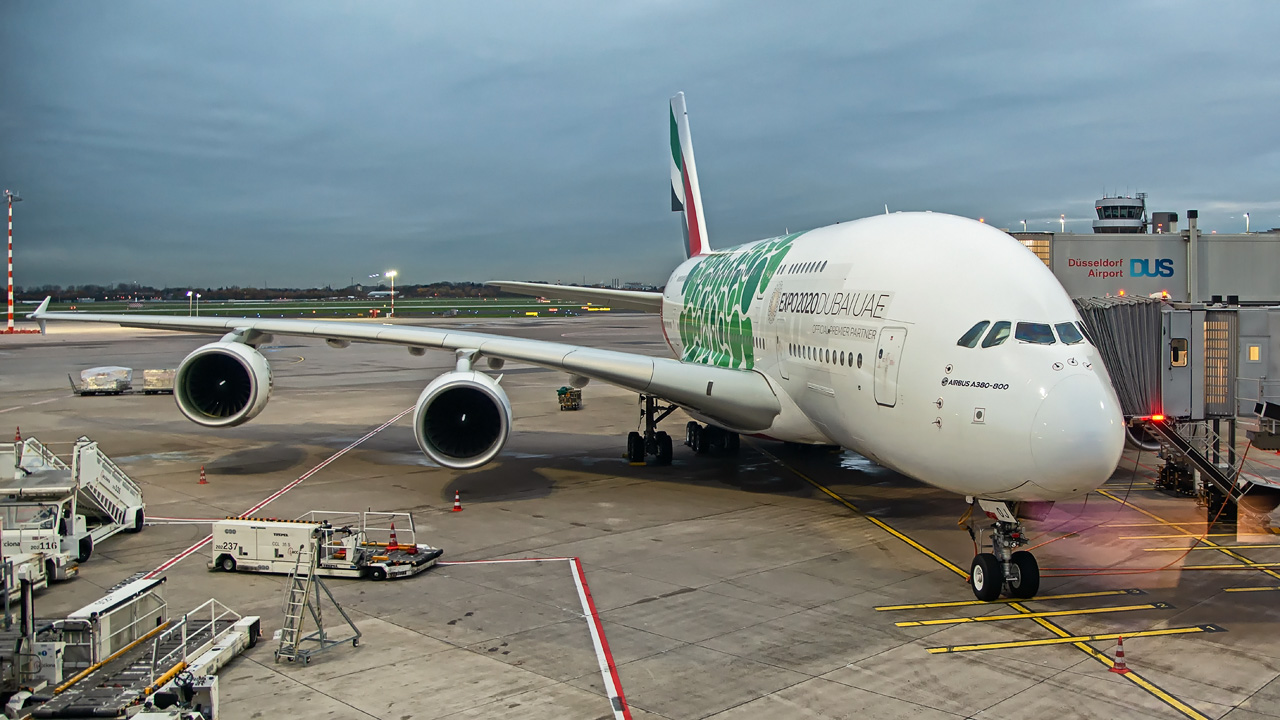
393 545
203 481
1120 666
17 436
457 502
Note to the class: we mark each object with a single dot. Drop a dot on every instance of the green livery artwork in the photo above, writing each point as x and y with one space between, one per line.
715 324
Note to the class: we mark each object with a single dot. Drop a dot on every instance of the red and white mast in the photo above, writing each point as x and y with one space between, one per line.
12 198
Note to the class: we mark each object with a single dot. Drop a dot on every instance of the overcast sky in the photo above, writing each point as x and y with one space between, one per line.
307 143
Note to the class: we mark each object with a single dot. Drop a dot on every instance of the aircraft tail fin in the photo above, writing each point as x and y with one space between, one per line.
685 196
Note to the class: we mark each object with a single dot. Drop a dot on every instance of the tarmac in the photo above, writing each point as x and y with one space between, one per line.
780 582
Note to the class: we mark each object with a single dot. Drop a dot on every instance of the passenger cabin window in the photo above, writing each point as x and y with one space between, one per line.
1068 333
1037 333
998 334
970 339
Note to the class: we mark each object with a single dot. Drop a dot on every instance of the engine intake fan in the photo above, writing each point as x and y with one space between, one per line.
462 419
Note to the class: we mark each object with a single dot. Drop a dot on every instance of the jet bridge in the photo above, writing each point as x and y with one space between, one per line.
1188 377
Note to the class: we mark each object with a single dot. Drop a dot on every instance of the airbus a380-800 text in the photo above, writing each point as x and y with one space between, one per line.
932 344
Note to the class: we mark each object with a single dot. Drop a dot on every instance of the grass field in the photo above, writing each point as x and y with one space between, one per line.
436 307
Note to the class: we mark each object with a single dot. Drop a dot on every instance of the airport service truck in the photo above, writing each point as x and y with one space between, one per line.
349 545
62 510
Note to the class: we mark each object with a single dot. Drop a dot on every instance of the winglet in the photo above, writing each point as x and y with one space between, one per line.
43 308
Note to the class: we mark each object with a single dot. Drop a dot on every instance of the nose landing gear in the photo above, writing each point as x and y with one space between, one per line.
1005 569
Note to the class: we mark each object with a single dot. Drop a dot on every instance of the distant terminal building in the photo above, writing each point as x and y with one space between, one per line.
1129 253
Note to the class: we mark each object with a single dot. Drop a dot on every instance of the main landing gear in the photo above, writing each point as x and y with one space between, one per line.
1005 569
653 441
657 444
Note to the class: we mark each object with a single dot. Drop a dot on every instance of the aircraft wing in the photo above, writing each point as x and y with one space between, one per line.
741 399
650 302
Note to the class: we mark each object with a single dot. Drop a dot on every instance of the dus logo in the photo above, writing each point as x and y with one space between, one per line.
1142 267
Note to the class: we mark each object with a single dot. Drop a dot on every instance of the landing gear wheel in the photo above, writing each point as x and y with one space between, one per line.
703 440
732 441
985 577
1025 580
227 563
635 448
691 429
663 456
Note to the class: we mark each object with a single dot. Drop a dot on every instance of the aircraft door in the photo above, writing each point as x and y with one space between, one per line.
888 359
782 357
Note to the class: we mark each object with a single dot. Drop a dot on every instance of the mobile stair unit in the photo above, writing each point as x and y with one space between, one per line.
50 506
302 598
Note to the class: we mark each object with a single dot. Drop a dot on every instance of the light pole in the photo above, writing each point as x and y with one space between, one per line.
190 296
13 198
1246 223
1024 226
392 274
1062 220
197 304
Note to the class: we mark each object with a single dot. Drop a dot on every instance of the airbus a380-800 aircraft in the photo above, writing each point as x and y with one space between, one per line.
932 344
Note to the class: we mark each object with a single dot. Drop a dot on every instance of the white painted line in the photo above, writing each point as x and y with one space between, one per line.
608 670
276 495
11 409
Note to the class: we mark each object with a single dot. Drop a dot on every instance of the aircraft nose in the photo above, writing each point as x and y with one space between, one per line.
1077 435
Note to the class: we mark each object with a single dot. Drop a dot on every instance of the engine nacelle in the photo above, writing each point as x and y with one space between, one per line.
222 384
462 419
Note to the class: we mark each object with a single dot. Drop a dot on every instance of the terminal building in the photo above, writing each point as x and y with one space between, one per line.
1129 254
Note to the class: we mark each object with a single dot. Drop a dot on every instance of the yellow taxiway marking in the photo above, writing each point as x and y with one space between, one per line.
1261 567
1102 658
1232 566
1154 524
1038 598
1252 589
1184 536
883 526
1208 547
1074 639
1155 690
1033 615
1077 638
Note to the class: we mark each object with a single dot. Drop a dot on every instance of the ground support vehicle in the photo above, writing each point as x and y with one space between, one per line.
350 545
48 506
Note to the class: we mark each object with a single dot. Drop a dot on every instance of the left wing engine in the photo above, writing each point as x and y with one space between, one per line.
462 419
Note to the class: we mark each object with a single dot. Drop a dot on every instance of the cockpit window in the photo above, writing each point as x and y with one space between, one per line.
1038 333
1085 331
970 339
1068 333
998 334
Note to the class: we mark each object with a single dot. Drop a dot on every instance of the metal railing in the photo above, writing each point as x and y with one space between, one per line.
32 445
192 625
